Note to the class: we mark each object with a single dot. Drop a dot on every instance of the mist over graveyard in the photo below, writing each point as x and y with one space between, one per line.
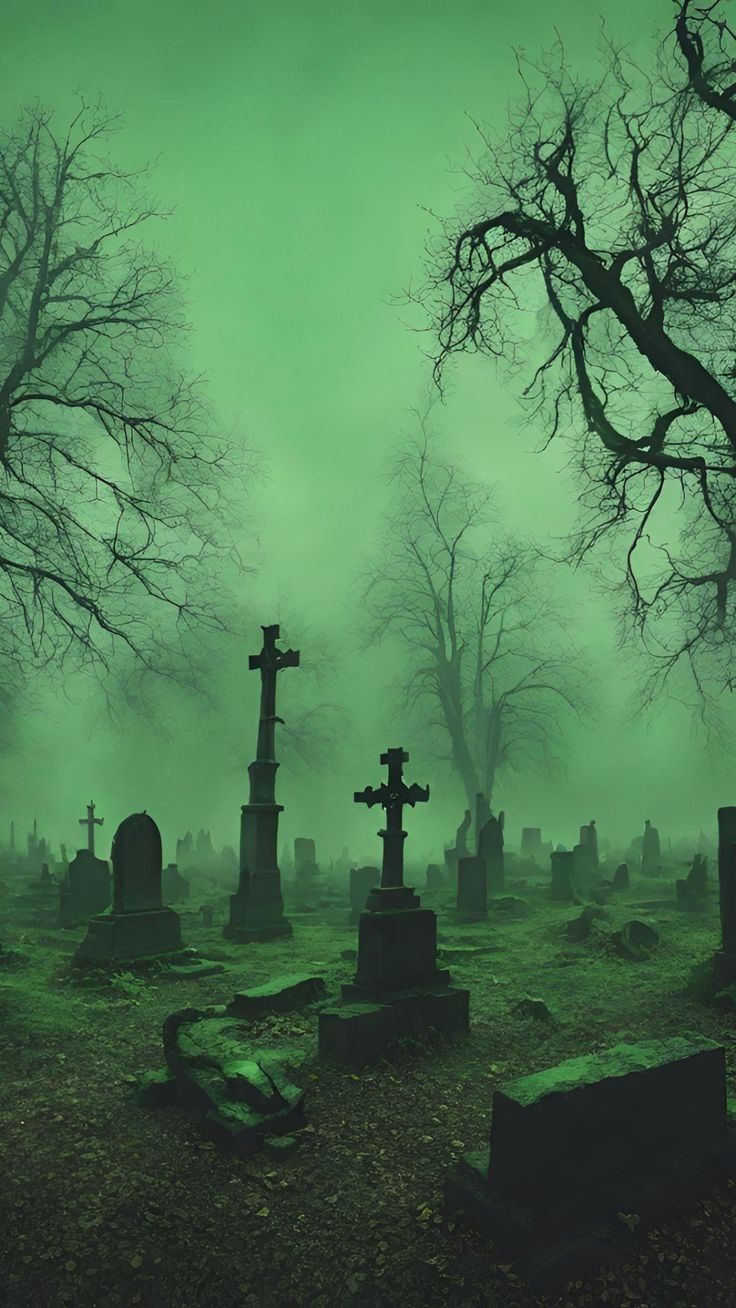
312 360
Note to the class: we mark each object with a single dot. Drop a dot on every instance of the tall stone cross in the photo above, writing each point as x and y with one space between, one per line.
271 660
90 822
392 796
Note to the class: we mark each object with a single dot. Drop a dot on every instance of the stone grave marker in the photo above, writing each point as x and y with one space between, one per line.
650 851
362 881
435 879
398 992
621 877
531 843
490 849
85 889
138 925
562 865
633 1129
257 907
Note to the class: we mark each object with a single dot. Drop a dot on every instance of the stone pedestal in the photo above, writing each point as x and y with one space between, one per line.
111 936
398 990
634 1129
257 907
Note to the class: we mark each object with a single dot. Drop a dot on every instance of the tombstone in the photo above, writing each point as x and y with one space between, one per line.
362 881
90 822
174 885
472 892
138 924
398 991
482 815
461 835
257 907
562 866
589 842
531 843
207 914
228 864
85 889
46 881
621 877
305 855
650 851
490 849
638 1128
692 891
435 879
724 973
582 873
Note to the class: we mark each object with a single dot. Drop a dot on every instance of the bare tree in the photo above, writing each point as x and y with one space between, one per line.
607 210
112 485
487 664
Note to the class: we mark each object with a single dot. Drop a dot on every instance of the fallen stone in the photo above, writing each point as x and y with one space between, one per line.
281 995
511 905
239 1094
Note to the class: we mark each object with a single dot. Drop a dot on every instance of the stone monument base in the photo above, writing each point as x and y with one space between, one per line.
358 1032
257 909
112 936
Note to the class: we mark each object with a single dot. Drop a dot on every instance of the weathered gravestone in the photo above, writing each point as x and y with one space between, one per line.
138 925
650 851
589 843
692 890
362 881
257 907
482 815
562 866
398 990
472 897
305 855
621 877
175 886
85 889
460 848
531 843
633 1129
490 850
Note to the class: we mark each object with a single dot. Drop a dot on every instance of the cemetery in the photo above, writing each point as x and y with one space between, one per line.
367 631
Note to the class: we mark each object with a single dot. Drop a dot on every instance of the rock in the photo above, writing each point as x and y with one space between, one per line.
636 940
511 905
531 1007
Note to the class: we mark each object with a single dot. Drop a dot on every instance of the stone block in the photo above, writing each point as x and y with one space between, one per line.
281 995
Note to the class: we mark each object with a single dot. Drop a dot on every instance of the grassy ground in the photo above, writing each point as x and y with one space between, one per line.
105 1202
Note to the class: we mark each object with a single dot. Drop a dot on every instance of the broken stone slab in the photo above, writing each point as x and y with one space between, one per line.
281 995
636 940
635 1129
239 1094
511 906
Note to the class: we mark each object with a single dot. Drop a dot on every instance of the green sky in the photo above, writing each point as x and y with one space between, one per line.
300 145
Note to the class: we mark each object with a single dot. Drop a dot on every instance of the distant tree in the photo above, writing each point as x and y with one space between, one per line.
488 665
609 209
112 485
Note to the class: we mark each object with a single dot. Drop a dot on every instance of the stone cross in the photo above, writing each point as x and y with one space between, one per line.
271 660
90 822
392 795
